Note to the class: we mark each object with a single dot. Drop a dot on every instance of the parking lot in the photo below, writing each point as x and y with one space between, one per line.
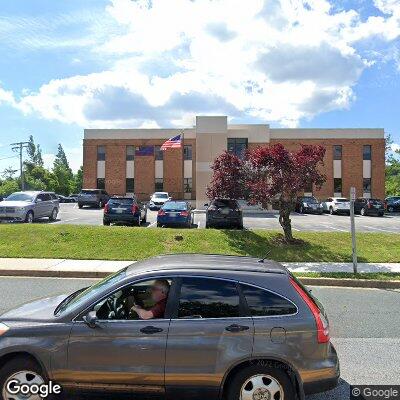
390 223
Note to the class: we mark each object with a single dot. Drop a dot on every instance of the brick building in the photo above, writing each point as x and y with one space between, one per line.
130 160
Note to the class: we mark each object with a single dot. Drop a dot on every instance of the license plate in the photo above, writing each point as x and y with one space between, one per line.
377 206
119 210
224 211
173 214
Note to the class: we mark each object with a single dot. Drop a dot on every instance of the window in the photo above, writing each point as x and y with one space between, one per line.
337 152
308 188
187 185
118 306
367 152
208 298
367 185
187 152
237 146
158 153
101 183
101 153
264 303
159 185
130 185
130 153
337 185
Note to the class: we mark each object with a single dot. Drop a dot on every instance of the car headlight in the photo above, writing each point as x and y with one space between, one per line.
304 204
3 328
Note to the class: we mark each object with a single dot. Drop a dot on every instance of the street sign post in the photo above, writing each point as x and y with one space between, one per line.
353 228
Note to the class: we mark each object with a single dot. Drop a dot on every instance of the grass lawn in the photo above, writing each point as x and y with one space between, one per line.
127 243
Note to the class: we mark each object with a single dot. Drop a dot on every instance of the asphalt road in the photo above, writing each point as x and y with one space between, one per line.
365 325
71 214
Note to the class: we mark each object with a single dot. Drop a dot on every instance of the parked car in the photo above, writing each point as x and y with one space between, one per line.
65 199
224 213
365 206
74 197
336 205
308 204
29 206
158 199
175 213
124 210
93 197
392 203
226 326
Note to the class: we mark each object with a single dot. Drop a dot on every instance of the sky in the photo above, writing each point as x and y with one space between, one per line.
67 65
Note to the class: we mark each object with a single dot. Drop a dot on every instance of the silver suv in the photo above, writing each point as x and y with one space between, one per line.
29 206
188 326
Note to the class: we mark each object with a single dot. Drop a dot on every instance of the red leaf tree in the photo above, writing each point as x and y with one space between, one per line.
266 174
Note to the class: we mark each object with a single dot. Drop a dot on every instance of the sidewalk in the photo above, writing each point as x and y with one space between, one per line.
99 268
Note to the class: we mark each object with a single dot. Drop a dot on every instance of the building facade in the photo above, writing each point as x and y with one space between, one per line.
130 160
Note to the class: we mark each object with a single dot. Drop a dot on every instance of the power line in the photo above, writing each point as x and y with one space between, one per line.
6 158
19 147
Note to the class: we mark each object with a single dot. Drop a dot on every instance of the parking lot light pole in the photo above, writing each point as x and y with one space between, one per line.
353 228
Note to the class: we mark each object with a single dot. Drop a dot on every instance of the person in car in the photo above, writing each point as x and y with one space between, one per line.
159 294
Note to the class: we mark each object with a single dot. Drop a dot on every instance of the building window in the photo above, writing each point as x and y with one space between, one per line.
337 152
337 185
158 153
159 185
367 152
130 185
188 185
101 153
187 152
367 185
237 146
101 183
130 153
308 188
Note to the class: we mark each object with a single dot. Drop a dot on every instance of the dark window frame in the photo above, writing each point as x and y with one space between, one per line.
187 186
101 186
101 155
126 185
187 152
130 157
367 184
367 152
159 188
237 143
335 187
337 152
158 153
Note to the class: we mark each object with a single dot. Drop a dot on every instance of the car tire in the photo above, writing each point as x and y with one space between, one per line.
390 209
301 210
23 367
80 205
100 205
331 211
144 220
106 223
53 216
29 217
362 212
380 214
159 225
258 380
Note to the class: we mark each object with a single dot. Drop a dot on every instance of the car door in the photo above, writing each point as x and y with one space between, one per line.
48 204
119 352
40 206
208 334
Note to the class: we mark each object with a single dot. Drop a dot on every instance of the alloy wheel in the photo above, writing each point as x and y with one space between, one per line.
24 378
29 218
261 387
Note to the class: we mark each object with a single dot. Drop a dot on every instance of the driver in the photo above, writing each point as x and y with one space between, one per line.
159 294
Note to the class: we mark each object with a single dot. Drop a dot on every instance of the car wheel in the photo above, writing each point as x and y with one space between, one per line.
29 218
258 382
106 223
80 205
25 371
301 210
390 209
100 205
362 211
144 220
331 210
381 214
53 215
158 225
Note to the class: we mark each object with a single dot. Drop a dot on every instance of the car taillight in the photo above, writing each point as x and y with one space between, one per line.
161 212
106 209
321 321
369 205
184 213
135 208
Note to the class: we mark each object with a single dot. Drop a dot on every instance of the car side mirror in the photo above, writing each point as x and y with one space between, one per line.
91 319
38 200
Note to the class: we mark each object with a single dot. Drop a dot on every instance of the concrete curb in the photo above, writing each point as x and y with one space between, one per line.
355 283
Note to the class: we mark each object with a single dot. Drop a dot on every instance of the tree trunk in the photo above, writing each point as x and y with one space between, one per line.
285 221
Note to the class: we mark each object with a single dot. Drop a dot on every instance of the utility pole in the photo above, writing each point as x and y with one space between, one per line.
353 228
19 147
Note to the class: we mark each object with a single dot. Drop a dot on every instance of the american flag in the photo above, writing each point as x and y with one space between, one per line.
173 143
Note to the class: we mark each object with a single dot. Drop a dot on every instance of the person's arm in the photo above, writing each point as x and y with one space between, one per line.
143 314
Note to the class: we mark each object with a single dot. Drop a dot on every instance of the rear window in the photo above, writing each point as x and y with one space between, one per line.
175 206
220 203
89 191
310 200
161 195
341 200
375 201
263 303
121 202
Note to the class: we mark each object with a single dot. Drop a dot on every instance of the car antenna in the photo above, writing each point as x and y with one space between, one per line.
261 260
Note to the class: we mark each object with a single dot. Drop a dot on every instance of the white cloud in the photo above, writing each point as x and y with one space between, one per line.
277 60
395 147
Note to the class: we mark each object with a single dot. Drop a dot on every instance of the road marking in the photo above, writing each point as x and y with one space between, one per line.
336 229
378 229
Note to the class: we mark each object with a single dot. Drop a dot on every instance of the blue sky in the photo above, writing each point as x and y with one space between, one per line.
66 65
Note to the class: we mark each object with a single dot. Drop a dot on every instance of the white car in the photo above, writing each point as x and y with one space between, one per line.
336 205
158 199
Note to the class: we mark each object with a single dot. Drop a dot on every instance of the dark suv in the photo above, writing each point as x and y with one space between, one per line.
308 204
227 326
224 213
93 197
364 206
124 210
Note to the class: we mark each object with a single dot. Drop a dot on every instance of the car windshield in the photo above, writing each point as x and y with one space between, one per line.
81 296
221 203
88 191
175 205
312 200
19 197
341 200
118 202
161 195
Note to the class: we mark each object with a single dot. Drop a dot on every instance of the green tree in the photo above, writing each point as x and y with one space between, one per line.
62 173
8 186
8 173
34 152
392 183
78 181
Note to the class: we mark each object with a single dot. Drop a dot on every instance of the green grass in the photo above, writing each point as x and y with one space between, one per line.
380 276
127 243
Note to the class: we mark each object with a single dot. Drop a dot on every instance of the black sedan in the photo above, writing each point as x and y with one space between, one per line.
224 213
124 210
393 203
308 204
365 206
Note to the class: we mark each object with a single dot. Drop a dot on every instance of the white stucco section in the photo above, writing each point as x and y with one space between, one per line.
367 168
159 169
257 133
367 195
203 166
187 169
101 169
130 169
337 168
211 124
359 133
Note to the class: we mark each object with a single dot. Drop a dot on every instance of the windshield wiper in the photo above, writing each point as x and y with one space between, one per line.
67 300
